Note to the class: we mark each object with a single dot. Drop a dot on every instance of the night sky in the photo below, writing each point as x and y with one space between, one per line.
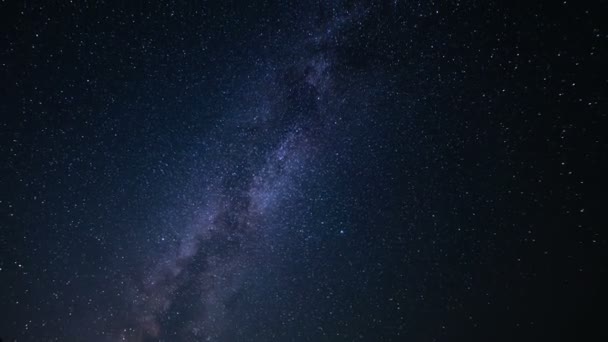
303 171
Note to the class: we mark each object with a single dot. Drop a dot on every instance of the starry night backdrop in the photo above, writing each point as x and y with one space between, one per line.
303 171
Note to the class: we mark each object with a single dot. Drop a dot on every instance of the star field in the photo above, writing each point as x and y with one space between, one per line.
302 171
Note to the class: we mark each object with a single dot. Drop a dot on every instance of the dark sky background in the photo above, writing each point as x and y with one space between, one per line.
303 171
